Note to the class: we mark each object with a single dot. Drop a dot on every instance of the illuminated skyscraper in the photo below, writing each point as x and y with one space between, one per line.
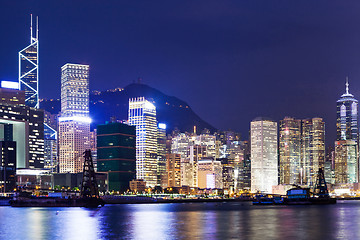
142 114
264 159
29 69
173 170
50 142
161 155
313 149
74 123
75 90
346 169
346 146
290 151
347 117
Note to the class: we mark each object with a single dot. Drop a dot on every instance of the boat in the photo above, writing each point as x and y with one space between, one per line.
263 200
303 196
298 196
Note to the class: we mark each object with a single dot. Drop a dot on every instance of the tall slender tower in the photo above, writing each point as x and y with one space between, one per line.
312 149
347 116
347 141
264 155
29 68
290 151
74 123
142 114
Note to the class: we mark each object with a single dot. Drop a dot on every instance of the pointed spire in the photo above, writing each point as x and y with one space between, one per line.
31 29
37 28
347 85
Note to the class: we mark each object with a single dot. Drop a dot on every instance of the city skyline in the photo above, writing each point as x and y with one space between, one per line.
232 57
189 119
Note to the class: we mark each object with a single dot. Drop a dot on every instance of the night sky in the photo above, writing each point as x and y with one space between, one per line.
231 61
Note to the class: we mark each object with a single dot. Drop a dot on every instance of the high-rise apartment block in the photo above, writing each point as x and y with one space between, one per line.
74 123
264 159
142 114
173 170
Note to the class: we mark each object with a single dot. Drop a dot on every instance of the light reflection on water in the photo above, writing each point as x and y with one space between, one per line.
183 221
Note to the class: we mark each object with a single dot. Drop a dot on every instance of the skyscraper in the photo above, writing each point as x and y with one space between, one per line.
313 149
264 159
347 117
50 142
74 123
346 168
117 154
290 151
173 170
29 69
142 114
347 144
161 155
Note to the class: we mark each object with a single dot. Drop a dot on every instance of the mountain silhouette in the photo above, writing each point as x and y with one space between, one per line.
175 113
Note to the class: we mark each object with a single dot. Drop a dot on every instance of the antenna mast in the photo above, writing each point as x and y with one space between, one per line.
31 29
37 28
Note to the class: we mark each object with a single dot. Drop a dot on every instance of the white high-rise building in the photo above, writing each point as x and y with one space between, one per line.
142 114
74 123
264 159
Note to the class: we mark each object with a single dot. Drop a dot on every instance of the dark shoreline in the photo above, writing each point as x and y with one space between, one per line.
149 200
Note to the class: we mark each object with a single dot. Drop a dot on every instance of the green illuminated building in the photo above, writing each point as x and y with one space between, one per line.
116 152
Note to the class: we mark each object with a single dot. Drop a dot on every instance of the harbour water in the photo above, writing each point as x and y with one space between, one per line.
184 221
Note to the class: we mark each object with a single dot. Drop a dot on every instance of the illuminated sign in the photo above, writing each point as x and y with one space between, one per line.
10 84
162 125
75 118
210 180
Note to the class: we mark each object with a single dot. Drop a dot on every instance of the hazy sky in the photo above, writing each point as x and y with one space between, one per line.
230 60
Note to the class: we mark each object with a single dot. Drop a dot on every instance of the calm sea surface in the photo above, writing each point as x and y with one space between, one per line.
184 221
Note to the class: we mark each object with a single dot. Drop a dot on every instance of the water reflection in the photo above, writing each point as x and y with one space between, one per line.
183 221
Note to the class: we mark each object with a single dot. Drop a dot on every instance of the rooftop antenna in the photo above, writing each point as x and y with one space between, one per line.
37 27
31 29
347 85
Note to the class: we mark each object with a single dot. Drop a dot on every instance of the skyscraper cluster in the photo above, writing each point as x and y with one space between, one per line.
142 150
